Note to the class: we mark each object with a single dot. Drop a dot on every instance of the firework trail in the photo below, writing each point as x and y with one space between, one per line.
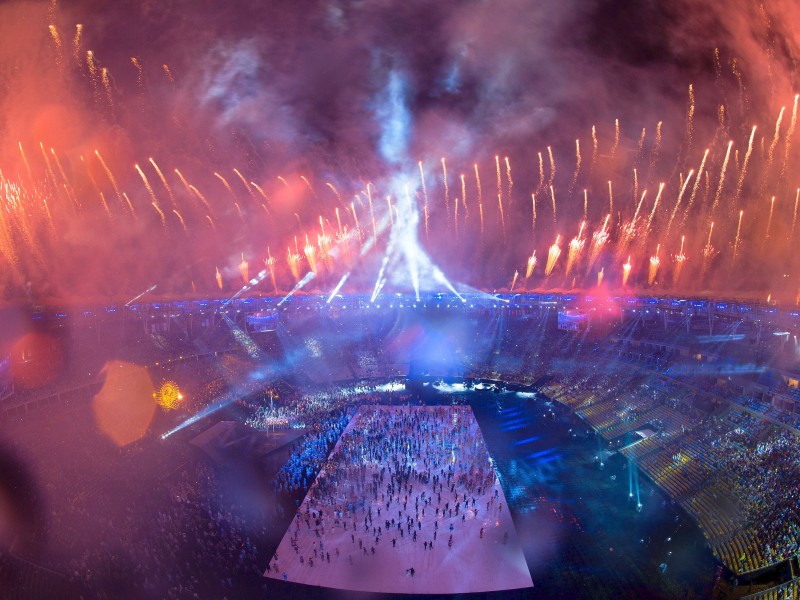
655 205
147 186
270 264
218 277
293 260
552 166
183 223
775 137
552 257
541 173
167 72
655 262
110 175
789 133
372 214
680 261
502 214
696 186
594 149
76 44
228 185
163 182
743 172
769 220
574 249
599 239
514 281
616 138
250 190
425 195
722 177
510 183
104 77
794 214
655 151
690 120
533 214
531 266
738 235
585 204
678 201
626 272
577 166
446 189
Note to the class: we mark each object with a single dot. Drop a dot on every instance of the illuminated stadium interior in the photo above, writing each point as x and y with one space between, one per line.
328 299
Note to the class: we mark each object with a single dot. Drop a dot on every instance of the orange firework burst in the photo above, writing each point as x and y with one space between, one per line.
552 256
680 260
244 270
531 265
626 272
655 262
575 248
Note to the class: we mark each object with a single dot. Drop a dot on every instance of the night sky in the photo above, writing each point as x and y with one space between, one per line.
276 114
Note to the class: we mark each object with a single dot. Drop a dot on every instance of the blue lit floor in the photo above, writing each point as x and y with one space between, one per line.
582 536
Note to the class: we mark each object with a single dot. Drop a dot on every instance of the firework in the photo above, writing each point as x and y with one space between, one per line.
743 171
574 249
244 267
577 166
769 220
599 239
76 43
424 196
678 201
776 136
180 218
722 176
789 134
655 262
690 119
541 173
514 281
626 272
738 235
269 262
508 178
446 189
531 266
293 259
218 277
552 256
502 213
680 261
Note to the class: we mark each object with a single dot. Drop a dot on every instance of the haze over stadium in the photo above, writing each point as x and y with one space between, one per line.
249 227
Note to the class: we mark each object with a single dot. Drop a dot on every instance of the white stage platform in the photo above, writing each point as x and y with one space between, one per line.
331 521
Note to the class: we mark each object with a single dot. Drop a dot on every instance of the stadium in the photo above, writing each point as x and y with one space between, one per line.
644 445
328 299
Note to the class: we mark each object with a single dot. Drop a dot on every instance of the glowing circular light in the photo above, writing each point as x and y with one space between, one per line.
168 395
